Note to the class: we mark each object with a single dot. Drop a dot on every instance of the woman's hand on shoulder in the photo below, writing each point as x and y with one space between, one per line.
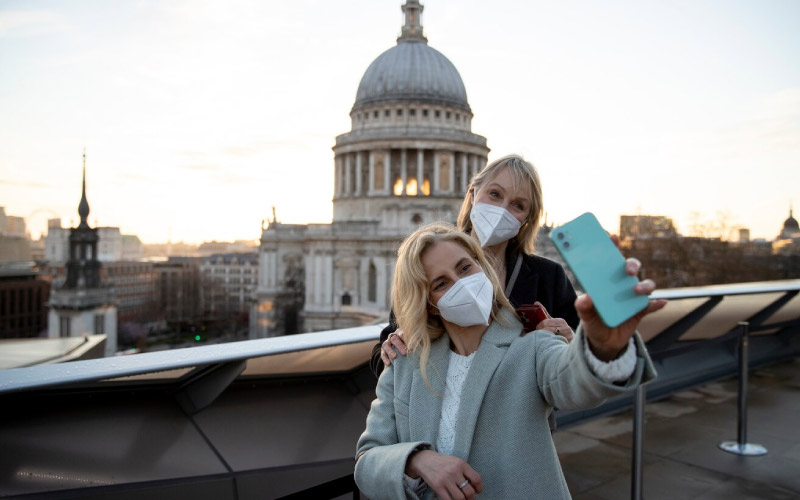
394 341
448 476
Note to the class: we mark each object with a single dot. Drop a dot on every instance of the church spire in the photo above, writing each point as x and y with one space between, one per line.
83 207
412 29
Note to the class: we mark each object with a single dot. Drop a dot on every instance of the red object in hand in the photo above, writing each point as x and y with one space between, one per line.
531 315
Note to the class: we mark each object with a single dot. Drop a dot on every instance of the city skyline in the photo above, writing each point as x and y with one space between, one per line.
197 118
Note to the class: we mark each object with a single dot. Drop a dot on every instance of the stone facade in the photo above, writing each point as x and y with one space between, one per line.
406 161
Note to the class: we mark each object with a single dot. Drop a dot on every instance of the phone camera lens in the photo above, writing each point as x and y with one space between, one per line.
560 236
566 244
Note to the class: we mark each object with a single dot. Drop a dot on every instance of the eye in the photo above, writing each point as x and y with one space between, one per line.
494 194
465 268
439 285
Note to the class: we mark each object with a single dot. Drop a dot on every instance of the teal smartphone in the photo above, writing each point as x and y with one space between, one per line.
599 267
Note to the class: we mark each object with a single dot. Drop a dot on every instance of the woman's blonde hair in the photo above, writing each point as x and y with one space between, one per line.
523 172
410 289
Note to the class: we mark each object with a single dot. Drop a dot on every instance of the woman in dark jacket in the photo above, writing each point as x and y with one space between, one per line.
502 210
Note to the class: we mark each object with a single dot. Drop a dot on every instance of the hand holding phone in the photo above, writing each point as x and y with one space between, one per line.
599 267
531 315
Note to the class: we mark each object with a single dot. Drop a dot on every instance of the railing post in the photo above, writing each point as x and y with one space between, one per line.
639 399
742 447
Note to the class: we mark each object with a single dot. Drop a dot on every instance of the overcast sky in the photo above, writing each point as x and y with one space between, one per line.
198 116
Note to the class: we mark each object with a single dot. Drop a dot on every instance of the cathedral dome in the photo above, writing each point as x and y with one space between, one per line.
790 224
411 71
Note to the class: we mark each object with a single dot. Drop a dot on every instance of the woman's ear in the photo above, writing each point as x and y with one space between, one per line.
432 309
472 195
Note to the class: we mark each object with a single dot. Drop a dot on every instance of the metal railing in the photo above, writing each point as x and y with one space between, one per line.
692 342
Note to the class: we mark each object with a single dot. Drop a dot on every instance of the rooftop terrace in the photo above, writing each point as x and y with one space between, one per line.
279 417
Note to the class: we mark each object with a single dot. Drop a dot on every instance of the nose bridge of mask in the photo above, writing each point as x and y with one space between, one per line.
490 213
463 291
493 224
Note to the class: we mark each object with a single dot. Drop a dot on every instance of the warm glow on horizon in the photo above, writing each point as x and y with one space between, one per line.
197 120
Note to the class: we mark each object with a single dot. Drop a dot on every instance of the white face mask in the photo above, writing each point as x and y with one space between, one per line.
493 224
469 301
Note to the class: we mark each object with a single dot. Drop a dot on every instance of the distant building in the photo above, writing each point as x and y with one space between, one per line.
161 250
112 245
672 260
131 247
179 285
790 229
15 249
406 161
15 246
56 242
229 281
220 247
109 244
11 225
646 226
743 235
135 289
23 302
37 249
82 303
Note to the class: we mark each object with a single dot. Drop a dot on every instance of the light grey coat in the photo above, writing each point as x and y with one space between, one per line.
501 427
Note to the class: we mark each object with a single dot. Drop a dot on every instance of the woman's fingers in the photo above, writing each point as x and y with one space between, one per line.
558 326
397 341
384 356
474 479
645 287
632 266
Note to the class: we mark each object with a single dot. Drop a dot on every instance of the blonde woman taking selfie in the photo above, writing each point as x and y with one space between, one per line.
466 411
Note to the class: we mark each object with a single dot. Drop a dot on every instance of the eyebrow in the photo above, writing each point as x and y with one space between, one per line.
442 276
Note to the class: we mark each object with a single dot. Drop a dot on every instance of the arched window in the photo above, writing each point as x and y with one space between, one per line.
426 186
372 283
346 299
398 187
411 187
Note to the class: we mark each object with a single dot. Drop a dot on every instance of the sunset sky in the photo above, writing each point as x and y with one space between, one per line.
199 116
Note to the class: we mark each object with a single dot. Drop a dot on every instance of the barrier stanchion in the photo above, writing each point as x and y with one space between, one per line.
639 399
741 446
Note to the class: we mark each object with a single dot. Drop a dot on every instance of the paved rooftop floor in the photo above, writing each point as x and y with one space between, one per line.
682 459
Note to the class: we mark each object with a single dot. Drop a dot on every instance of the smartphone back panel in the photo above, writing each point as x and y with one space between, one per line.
599 268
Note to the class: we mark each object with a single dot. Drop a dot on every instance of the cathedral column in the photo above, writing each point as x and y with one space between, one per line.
328 272
358 172
273 268
347 174
337 177
435 172
309 266
464 173
403 170
371 186
420 174
318 272
387 177
474 165
452 171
